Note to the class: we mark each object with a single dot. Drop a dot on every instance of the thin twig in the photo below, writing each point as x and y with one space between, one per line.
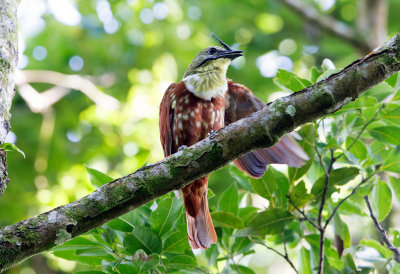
285 256
321 208
382 231
302 213
362 130
286 253
363 181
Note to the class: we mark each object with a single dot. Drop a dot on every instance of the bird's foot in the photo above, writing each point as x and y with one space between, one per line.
211 133
182 147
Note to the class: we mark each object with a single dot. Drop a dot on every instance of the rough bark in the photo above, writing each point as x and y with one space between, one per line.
261 129
8 62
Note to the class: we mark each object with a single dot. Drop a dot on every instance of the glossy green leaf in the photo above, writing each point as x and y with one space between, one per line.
167 213
338 177
247 213
266 187
299 195
142 238
384 251
307 143
395 185
240 177
98 178
133 218
11 147
388 134
181 262
270 221
212 254
177 242
305 261
229 201
392 80
241 269
143 266
290 82
226 219
381 200
120 225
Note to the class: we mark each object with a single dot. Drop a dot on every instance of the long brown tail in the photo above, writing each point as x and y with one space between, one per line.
201 232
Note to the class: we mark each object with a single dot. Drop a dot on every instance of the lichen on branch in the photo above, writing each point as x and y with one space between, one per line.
261 129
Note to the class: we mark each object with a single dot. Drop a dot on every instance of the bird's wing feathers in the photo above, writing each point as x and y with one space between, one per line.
166 121
240 102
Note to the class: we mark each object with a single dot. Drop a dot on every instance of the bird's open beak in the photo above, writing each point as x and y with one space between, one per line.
230 54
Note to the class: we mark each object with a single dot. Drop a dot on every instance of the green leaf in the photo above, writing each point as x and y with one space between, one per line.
143 266
97 178
71 256
305 261
308 134
80 242
342 234
392 80
339 177
299 195
388 134
142 238
212 254
167 213
181 262
120 225
381 200
315 73
177 242
288 81
396 238
395 184
11 147
229 201
270 221
240 177
226 219
133 218
359 150
247 213
266 187
241 269
385 252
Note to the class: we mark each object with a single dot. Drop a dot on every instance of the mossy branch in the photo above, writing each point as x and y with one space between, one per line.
261 129
8 63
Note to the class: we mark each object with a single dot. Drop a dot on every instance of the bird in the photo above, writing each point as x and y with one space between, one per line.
204 101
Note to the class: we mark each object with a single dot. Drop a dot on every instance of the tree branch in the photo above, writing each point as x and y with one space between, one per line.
395 251
8 62
261 129
330 24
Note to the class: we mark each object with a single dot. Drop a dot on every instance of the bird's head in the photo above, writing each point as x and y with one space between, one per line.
213 60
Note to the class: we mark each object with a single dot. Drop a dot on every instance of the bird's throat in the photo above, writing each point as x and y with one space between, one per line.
209 81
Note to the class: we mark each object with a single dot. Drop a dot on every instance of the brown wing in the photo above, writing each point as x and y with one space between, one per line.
166 121
241 102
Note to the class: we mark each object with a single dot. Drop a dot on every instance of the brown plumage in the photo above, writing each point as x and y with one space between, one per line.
203 101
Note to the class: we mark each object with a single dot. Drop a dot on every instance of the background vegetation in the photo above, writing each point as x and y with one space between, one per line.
131 50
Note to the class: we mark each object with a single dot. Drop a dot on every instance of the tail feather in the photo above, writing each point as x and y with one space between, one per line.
286 151
201 232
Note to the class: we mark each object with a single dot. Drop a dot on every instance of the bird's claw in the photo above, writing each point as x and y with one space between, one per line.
211 133
182 147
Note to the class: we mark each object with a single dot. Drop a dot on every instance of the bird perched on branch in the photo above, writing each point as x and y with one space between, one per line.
204 101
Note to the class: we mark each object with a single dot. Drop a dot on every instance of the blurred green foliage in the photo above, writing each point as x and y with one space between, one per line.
132 50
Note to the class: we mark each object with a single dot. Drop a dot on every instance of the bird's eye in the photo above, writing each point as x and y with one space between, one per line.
212 51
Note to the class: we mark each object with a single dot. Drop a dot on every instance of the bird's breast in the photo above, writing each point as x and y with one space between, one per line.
195 118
